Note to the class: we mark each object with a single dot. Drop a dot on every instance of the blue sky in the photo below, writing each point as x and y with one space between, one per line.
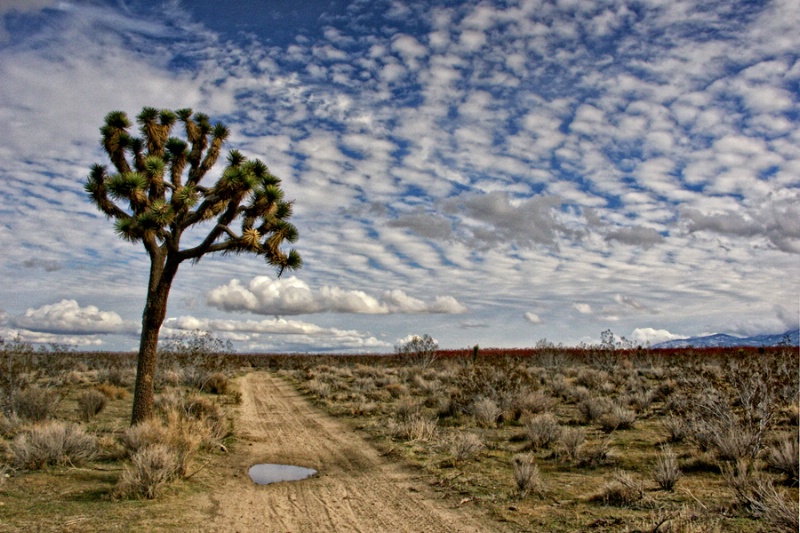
487 172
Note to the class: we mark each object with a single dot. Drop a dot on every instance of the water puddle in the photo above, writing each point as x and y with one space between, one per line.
264 474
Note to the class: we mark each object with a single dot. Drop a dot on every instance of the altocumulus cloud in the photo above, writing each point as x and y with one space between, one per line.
292 296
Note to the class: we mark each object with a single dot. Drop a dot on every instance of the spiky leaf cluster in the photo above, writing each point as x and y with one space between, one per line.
155 191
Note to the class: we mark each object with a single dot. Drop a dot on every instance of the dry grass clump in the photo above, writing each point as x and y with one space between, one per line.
112 392
622 491
53 443
542 430
151 468
666 472
465 446
416 428
90 403
526 474
784 457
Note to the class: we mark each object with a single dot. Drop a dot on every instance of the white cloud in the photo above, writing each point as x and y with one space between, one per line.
533 318
584 309
67 316
292 296
277 334
641 336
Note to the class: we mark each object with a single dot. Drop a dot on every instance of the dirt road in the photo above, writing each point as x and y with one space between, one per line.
355 490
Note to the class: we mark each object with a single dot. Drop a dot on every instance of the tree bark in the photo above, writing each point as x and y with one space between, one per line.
155 311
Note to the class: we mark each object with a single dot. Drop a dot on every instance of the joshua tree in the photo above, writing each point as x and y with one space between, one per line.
156 195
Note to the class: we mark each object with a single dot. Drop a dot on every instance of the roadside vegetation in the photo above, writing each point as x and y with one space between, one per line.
602 438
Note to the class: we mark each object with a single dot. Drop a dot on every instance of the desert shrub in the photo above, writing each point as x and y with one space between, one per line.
90 403
666 472
216 383
676 427
622 491
759 496
784 457
591 409
542 430
141 435
596 454
18 369
151 468
465 446
591 378
617 417
415 428
396 389
535 402
526 474
571 441
53 443
418 351
112 392
9 424
407 408
116 375
486 412
319 388
34 403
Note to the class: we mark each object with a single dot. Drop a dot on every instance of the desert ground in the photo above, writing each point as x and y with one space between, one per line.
537 440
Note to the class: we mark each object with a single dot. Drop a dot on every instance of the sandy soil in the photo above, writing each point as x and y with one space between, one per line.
356 489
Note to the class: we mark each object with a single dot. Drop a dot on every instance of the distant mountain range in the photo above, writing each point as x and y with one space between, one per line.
721 340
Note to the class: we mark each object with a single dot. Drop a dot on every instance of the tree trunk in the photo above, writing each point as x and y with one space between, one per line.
155 311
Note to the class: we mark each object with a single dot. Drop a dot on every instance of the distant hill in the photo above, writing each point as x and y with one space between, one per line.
721 340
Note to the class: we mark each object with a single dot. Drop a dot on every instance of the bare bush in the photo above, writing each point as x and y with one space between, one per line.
418 351
666 472
34 403
617 417
676 427
526 474
784 457
596 454
542 430
90 404
535 402
591 409
465 446
571 441
53 443
759 496
486 412
151 468
622 491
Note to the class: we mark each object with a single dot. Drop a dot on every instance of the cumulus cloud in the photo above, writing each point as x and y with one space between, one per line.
67 316
582 308
292 296
533 318
642 336
277 333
